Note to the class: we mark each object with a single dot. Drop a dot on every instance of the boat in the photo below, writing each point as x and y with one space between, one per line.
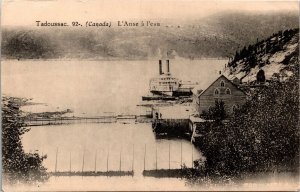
167 87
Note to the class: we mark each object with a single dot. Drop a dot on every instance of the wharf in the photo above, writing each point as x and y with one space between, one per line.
171 119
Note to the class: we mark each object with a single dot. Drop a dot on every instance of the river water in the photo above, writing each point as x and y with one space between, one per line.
115 141
122 140
93 88
126 140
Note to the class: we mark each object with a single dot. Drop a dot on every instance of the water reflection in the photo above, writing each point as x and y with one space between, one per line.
106 146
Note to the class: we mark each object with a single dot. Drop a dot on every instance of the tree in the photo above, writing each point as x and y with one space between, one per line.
263 134
216 113
18 165
252 61
260 76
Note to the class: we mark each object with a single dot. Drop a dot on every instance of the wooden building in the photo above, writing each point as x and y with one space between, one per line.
222 89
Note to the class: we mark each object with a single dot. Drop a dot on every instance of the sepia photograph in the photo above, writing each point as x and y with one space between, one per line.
150 95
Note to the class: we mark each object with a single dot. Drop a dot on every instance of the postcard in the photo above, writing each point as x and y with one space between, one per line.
140 95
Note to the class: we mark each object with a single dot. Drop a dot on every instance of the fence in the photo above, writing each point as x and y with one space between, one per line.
131 162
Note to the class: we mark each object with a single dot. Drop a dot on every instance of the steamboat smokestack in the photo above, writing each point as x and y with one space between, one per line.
160 67
168 66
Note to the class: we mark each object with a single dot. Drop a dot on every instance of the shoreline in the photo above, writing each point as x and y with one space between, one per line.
111 59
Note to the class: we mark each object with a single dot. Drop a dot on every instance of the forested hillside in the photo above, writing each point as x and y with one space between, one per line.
274 55
262 136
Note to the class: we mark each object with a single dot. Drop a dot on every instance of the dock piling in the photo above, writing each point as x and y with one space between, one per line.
107 160
56 159
181 154
145 157
70 162
120 167
96 161
169 156
132 157
156 156
83 160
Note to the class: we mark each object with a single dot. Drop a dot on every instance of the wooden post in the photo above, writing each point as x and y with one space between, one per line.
107 161
70 162
169 156
96 162
56 160
145 157
156 156
132 157
120 160
83 161
181 154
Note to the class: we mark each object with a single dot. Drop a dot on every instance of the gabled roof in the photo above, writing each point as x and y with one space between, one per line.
208 85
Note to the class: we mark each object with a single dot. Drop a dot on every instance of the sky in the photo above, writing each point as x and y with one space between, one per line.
26 12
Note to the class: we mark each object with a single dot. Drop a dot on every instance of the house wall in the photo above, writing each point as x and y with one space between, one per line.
207 98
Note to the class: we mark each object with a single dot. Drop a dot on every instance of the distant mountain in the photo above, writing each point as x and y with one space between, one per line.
218 35
277 56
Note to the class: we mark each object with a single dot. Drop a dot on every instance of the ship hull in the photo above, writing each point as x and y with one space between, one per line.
161 98
162 93
182 93
173 93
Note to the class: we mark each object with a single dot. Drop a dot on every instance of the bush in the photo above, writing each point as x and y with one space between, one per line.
217 113
18 165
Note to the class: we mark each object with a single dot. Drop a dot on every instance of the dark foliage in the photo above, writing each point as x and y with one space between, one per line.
217 113
260 77
263 135
251 55
18 165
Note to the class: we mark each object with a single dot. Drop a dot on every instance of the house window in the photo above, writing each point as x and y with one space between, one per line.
217 91
228 92
222 84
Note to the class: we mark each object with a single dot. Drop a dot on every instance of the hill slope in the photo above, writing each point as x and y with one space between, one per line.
214 36
276 56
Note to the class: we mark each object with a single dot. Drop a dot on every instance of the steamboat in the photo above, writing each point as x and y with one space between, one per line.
167 87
